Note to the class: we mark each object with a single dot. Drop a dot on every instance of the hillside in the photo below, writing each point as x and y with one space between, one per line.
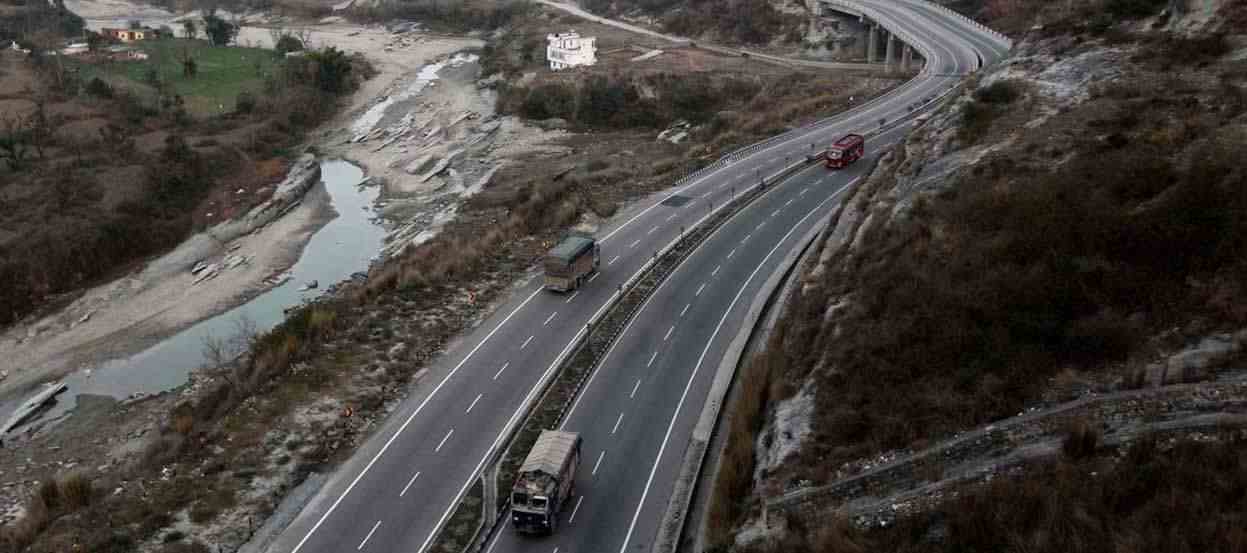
106 160
1071 227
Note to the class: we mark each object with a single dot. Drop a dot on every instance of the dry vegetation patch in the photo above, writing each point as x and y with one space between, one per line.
1158 494
1069 244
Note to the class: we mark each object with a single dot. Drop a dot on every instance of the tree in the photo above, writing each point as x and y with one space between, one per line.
95 41
285 40
164 31
220 32
14 143
333 70
287 43
189 67
189 28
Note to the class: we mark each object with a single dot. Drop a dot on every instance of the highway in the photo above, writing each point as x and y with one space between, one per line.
638 408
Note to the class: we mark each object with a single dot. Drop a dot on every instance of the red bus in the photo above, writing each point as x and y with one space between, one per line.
850 148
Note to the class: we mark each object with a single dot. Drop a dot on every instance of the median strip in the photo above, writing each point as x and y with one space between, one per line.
564 386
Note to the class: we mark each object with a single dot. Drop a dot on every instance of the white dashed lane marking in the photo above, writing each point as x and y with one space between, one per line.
409 483
595 465
369 536
478 398
443 442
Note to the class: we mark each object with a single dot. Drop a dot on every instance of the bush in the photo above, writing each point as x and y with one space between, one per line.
1082 440
1133 9
76 491
98 88
288 43
976 119
999 92
245 103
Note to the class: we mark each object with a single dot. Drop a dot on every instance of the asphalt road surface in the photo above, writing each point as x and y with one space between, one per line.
637 412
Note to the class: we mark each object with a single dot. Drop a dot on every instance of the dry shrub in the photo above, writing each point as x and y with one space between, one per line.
19 534
76 491
1082 440
183 424
839 536
164 449
736 465
1188 498
49 494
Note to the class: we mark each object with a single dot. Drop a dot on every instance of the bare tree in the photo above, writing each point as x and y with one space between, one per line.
14 142
219 351
189 28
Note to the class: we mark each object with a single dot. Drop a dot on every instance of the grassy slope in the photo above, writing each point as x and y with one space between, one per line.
221 72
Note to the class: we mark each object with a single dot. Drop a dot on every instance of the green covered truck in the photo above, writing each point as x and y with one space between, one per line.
570 263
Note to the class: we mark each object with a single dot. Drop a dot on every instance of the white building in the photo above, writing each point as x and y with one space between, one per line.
570 49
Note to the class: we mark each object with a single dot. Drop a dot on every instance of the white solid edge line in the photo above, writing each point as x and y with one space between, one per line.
506 428
611 349
676 415
408 422
851 119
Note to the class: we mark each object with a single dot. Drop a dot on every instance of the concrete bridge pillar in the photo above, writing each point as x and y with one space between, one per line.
891 52
907 57
872 42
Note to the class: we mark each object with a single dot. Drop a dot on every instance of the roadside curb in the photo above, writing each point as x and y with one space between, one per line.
671 527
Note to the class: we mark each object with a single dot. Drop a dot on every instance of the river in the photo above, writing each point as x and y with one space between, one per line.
345 245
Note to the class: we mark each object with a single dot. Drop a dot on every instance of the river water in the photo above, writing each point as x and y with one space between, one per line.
345 245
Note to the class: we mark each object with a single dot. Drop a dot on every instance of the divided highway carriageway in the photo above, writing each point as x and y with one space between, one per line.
637 412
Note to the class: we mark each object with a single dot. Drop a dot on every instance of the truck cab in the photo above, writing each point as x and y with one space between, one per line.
850 148
545 482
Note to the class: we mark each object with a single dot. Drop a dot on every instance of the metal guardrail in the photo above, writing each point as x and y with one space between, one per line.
488 528
1000 37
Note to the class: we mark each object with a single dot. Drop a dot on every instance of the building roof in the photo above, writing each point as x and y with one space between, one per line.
550 451
571 248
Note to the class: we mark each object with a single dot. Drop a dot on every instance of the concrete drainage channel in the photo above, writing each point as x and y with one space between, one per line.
565 383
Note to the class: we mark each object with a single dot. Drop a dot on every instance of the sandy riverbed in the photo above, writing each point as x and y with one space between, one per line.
132 313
